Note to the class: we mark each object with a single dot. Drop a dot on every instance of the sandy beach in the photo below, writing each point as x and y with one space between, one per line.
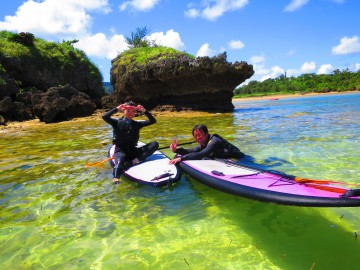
274 97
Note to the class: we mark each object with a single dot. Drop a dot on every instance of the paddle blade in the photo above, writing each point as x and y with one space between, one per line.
321 182
327 188
98 163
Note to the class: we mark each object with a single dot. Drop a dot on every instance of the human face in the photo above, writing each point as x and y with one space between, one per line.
200 137
130 112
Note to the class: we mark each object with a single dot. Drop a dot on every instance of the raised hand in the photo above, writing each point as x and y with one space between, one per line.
121 107
140 108
174 144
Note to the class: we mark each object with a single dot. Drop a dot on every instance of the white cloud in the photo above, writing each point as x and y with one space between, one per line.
260 70
236 44
261 73
170 39
256 59
325 69
205 51
52 17
290 53
308 67
212 10
347 45
99 46
140 5
192 13
357 67
292 72
295 4
276 71
258 62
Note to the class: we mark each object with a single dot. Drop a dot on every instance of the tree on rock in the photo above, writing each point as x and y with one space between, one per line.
138 39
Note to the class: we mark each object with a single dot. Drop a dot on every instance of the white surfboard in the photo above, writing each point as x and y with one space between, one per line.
155 170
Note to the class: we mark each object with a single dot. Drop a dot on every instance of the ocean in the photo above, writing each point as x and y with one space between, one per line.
58 214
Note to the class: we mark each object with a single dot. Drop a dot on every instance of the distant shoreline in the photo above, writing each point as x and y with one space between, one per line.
274 97
22 126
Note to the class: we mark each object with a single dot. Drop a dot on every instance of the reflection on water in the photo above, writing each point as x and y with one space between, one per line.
57 214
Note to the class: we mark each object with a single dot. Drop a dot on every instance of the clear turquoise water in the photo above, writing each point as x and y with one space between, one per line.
57 214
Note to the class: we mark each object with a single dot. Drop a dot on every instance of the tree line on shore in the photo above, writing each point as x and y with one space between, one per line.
337 81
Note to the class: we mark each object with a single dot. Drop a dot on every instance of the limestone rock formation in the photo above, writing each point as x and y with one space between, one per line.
61 103
30 66
178 82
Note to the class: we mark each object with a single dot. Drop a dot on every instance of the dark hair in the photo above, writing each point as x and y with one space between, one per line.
129 101
202 127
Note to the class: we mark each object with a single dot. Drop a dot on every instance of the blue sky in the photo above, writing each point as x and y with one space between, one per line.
275 36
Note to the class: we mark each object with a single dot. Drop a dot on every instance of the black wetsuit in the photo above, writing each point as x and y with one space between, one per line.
216 147
126 133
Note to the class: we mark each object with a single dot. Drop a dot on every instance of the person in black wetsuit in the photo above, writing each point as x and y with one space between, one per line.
210 146
126 133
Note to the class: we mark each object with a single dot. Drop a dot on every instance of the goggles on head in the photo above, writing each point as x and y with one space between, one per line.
130 107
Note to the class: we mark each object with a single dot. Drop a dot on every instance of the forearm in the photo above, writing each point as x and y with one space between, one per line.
206 152
193 156
107 116
151 118
181 151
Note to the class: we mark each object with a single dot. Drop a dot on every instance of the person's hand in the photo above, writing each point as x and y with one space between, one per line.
173 146
121 107
140 108
175 160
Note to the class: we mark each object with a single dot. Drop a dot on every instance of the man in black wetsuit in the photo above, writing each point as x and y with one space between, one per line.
126 133
210 146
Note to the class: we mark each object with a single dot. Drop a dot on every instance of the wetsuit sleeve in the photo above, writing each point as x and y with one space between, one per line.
183 151
151 120
108 119
212 146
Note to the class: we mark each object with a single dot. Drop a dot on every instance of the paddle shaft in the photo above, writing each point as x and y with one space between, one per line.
180 144
107 159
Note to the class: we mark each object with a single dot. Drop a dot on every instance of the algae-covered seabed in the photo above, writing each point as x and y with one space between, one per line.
57 214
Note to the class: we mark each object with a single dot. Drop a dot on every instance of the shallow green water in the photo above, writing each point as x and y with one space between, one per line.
57 214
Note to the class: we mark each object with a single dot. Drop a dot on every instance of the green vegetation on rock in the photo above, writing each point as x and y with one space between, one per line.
141 56
49 80
143 52
24 48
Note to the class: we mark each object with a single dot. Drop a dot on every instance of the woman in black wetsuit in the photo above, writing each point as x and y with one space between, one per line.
210 146
126 133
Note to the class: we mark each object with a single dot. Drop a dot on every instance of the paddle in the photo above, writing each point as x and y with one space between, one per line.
327 188
180 144
94 164
322 182
318 184
98 162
